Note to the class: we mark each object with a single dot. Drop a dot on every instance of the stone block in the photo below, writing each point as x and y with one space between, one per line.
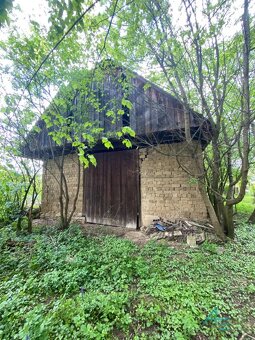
192 241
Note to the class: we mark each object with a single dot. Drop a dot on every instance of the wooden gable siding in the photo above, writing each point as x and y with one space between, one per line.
109 95
153 111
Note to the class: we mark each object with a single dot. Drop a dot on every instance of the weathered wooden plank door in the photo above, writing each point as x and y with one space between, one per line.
111 189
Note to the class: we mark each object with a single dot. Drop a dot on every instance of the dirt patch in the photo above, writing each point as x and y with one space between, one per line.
135 236
102 230
94 230
40 222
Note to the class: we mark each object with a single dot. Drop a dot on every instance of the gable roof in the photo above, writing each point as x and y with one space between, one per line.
155 116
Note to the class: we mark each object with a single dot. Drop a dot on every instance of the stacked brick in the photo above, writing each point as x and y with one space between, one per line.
169 187
51 189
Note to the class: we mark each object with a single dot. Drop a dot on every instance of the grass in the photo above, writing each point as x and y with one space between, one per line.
247 205
61 285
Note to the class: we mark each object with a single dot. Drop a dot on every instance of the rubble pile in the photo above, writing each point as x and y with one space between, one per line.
180 230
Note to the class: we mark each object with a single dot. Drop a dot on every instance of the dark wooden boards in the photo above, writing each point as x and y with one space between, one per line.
111 189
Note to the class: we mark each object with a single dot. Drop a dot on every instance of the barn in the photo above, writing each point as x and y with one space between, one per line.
130 187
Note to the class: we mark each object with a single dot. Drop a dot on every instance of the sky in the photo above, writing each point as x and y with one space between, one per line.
35 10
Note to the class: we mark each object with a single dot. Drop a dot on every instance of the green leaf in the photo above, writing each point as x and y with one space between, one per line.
36 128
128 131
147 86
127 143
92 159
127 103
120 112
83 160
110 113
107 143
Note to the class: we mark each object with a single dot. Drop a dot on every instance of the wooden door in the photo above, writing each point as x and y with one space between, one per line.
111 189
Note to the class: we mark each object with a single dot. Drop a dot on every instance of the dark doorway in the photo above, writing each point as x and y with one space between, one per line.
111 189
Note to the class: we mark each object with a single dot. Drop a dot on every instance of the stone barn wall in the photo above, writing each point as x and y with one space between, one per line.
167 190
50 194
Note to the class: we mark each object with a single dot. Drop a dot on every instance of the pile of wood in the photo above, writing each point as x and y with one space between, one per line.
180 230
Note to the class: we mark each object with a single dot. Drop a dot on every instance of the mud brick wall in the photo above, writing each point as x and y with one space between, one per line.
167 190
50 194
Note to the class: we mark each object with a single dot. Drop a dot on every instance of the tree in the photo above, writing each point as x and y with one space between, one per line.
205 70
20 183
65 115
5 9
201 66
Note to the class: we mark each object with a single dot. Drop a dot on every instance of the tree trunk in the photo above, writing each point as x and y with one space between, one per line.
64 197
200 176
202 188
30 220
213 217
229 223
18 227
30 225
246 120
252 217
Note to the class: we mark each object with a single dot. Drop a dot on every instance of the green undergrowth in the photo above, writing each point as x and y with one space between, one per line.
62 285
246 206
